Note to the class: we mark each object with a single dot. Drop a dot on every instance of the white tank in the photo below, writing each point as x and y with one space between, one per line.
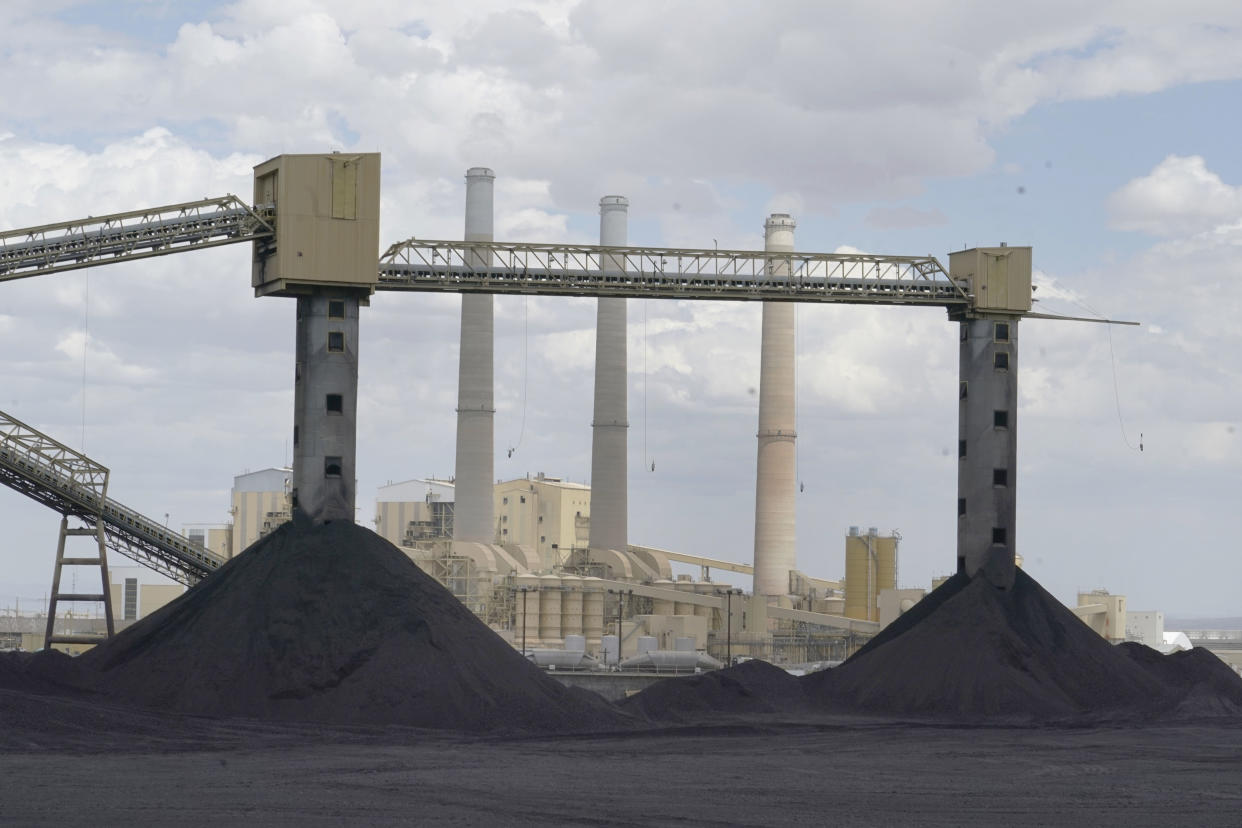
704 588
684 607
663 606
550 608
592 608
571 606
647 643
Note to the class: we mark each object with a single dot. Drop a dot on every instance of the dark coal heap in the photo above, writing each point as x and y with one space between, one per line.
970 651
751 687
333 624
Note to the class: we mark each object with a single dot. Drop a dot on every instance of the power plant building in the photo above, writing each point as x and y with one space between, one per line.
547 514
260 503
415 510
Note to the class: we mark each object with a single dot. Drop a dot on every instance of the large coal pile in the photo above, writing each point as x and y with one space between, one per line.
333 624
1201 683
970 650
751 687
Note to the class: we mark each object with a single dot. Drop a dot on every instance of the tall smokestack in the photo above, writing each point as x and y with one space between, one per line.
775 483
473 511
609 499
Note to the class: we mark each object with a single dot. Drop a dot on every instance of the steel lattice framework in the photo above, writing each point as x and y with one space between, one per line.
73 484
138 234
666 273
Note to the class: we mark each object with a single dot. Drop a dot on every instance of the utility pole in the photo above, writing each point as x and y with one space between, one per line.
524 622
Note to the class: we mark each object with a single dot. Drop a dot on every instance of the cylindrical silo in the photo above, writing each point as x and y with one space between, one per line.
870 566
684 607
592 608
704 588
526 609
550 608
571 606
610 423
663 606
473 510
775 480
885 563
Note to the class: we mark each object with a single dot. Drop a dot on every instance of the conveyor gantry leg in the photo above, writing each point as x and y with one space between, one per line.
105 595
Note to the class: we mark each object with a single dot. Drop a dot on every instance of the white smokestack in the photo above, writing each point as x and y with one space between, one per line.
473 511
775 482
609 497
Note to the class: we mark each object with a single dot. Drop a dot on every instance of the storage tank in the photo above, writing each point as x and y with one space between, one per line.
550 608
592 608
684 607
870 566
571 606
526 601
647 643
663 606
704 588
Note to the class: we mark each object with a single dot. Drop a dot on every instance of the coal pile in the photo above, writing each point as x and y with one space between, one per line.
748 688
1200 682
972 651
333 624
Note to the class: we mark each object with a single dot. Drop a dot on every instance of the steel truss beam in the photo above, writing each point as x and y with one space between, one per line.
73 484
139 234
667 273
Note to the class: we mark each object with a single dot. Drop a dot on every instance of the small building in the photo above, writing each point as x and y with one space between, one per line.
138 591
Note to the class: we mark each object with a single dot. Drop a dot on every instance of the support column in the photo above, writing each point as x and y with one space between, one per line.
988 448
325 405
473 519
776 482
610 424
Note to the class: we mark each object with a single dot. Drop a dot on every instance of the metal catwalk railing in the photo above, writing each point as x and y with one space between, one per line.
73 484
139 234
666 273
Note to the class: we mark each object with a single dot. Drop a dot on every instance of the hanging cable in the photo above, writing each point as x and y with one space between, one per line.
1112 357
525 369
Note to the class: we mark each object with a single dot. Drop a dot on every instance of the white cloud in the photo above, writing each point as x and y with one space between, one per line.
1179 197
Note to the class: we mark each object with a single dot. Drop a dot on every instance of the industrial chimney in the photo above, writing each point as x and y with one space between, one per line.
775 481
609 499
473 510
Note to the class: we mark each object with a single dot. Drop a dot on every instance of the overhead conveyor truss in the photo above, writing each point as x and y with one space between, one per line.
667 273
138 234
76 486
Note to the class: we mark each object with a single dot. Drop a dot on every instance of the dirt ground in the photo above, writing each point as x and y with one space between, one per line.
155 771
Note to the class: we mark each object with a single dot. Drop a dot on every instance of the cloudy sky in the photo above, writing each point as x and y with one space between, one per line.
1105 135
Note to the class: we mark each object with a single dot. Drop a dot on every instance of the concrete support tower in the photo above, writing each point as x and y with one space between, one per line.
473 519
776 481
325 405
325 210
987 447
609 441
998 281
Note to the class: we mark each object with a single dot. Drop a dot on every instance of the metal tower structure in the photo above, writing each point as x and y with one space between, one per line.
314 229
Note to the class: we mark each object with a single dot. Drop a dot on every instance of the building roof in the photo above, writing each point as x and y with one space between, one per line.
264 480
417 490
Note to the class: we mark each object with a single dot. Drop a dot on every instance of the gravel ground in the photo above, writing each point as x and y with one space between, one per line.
846 772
